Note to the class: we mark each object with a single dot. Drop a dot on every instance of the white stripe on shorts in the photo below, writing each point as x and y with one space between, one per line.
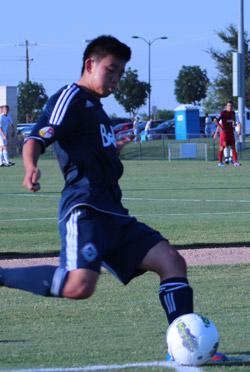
72 241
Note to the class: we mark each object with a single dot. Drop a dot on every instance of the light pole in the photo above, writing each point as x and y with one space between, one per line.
241 51
149 43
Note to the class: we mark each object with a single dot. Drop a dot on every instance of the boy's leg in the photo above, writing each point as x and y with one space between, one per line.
220 154
49 280
234 154
1 154
35 279
5 155
226 154
69 279
175 294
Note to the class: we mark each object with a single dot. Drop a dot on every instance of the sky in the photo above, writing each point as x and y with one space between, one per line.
57 30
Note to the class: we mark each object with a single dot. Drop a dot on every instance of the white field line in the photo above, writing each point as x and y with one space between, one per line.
28 219
137 215
142 199
188 200
107 367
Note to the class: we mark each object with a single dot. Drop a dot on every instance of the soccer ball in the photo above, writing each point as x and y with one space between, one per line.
192 339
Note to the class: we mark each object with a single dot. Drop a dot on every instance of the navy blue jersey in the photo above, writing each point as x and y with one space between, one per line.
85 146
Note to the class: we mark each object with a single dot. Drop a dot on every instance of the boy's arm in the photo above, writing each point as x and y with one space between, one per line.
216 132
2 133
31 152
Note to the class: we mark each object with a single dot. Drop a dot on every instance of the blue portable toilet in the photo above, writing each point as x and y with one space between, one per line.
187 122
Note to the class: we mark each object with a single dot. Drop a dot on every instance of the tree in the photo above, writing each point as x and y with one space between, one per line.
31 99
131 93
191 84
160 115
165 114
211 103
223 83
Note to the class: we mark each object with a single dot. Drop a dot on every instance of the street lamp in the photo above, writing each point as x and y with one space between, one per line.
149 42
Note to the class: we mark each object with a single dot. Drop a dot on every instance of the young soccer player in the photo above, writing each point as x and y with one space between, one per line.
5 124
225 127
95 228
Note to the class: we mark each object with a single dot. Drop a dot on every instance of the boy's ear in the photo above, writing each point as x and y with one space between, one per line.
89 64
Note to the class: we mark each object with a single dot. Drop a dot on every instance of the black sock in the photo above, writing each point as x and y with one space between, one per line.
43 280
176 297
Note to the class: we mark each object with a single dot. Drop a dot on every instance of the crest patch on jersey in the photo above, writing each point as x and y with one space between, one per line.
89 104
89 252
46 132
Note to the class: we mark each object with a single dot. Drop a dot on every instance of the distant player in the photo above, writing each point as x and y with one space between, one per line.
95 227
225 128
6 125
228 155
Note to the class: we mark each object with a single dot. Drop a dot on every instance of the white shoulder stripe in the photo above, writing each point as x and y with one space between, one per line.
62 104
58 102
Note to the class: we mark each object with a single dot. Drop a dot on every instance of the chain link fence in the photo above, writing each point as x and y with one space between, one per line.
202 148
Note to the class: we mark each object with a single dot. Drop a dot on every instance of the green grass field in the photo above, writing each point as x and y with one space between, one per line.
192 203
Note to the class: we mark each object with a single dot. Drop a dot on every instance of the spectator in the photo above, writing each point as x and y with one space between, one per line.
5 125
208 125
148 127
136 130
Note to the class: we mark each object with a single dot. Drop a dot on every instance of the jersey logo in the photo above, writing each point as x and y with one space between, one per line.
46 132
89 104
89 252
108 138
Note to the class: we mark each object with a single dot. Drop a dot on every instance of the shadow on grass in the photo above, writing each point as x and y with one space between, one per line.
55 253
11 341
14 255
213 245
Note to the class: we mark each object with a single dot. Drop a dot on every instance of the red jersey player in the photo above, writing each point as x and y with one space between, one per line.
225 126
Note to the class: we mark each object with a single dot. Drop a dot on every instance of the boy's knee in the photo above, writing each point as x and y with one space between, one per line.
175 260
165 260
80 284
78 292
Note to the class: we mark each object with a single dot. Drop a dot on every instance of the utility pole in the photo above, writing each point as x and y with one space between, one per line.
28 60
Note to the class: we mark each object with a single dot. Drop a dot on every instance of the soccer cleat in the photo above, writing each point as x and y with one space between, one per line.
236 164
219 357
221 164
9 164
169 358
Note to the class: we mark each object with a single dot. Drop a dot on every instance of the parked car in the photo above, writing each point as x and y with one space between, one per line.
161 129
25 128
123 130
125 133
122 127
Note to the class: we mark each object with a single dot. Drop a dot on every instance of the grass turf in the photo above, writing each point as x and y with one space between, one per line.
119 324
122 325
190 202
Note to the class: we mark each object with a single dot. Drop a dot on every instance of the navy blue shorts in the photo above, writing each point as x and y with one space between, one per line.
91 239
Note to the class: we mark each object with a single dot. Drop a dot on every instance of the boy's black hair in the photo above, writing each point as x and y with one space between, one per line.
104 45
230 101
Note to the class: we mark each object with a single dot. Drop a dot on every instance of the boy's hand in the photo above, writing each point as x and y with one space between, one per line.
121 143
31 178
